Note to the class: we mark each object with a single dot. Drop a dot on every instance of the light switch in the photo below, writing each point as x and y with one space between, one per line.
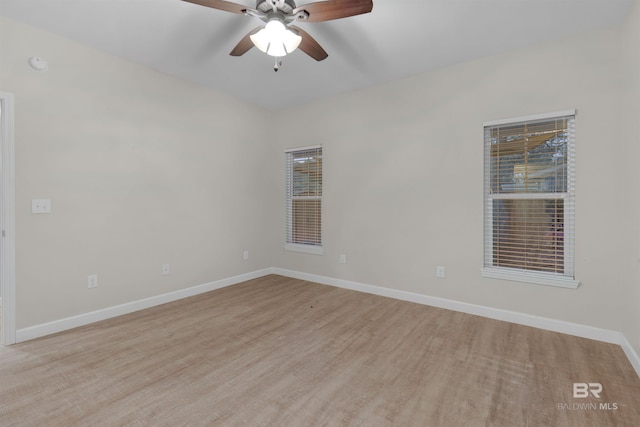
40 206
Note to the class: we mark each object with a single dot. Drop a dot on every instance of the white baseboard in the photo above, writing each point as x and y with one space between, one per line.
631 353
56 326
613 337
609 336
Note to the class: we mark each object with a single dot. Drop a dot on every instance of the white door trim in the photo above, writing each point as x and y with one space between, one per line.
7 220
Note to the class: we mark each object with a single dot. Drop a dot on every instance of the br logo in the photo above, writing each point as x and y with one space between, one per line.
582 390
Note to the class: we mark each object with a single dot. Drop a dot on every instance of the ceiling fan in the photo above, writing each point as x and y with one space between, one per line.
278 37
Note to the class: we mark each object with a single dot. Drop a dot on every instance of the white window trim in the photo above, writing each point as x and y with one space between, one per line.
297 247
305 148
531 118
306 249
528 276
538 278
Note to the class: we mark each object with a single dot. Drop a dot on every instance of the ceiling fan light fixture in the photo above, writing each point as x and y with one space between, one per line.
276 39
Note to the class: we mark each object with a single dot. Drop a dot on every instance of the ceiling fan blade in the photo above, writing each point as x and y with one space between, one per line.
227 6
245 44
334 9
309 45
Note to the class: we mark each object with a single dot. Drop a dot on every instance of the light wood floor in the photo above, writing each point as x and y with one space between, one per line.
282 352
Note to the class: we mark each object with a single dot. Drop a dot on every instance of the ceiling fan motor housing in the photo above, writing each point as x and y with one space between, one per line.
285 6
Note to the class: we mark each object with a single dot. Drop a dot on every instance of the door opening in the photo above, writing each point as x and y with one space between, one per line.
7 221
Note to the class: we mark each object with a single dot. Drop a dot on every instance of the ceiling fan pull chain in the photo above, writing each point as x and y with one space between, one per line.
277 64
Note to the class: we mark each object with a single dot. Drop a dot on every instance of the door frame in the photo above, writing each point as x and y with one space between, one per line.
7 219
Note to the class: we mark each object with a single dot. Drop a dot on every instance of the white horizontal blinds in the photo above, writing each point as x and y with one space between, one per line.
529 205
304 196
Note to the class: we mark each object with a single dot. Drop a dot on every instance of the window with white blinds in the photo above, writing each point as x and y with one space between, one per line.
529 180
304 199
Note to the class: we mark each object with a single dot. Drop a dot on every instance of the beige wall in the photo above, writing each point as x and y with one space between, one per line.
142 169
403 179
632 142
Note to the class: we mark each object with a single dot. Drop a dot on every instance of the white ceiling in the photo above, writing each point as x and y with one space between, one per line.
398 38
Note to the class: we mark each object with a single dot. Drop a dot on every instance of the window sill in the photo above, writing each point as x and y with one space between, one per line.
307 249
540 278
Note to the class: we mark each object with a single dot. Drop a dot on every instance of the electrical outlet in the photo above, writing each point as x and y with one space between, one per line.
245 255
440 272
165 269
92 281
40 206
343 259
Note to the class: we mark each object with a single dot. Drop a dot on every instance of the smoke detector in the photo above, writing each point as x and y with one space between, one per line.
38 64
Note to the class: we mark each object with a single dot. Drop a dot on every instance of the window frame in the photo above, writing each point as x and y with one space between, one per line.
290 197
566 279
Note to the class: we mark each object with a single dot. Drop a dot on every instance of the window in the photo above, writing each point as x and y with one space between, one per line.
529 199
304 200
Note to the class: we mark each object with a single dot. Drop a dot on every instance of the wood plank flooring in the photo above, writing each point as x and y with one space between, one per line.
277 351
